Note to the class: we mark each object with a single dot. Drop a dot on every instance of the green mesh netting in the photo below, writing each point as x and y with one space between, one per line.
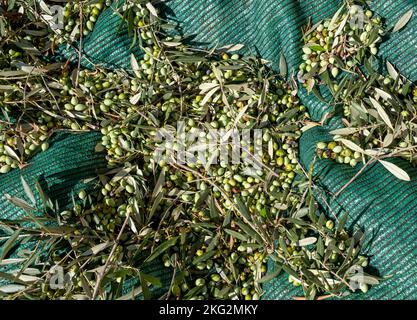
109 46
378 202
60 172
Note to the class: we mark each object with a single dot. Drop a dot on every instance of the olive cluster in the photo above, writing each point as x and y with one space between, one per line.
20 141
214 278
336 44
339 152
340 43
72 22
106 210
99 96
400 88
337 246
37 40
75 277
370 115
24 128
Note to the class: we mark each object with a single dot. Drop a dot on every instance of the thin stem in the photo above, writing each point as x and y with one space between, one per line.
104 268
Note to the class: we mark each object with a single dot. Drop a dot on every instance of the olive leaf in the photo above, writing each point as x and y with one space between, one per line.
135 65
26 278
351 145
207 86
9 244
384 116
162 248
12 288
155 281
391 70
306 241
145 286
171 43
333 25
209 95
361 278
11 152
32 70
214 214
236 234
28 190
135 98
158 185
19 203
155 205
341 26
243 209
269 276
283 68
395 170
96 249
386 96
152 9
232 47
2 27
389 138
301 213
45 199
309 126
250 231
12 73
403 21
359 107
344 131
